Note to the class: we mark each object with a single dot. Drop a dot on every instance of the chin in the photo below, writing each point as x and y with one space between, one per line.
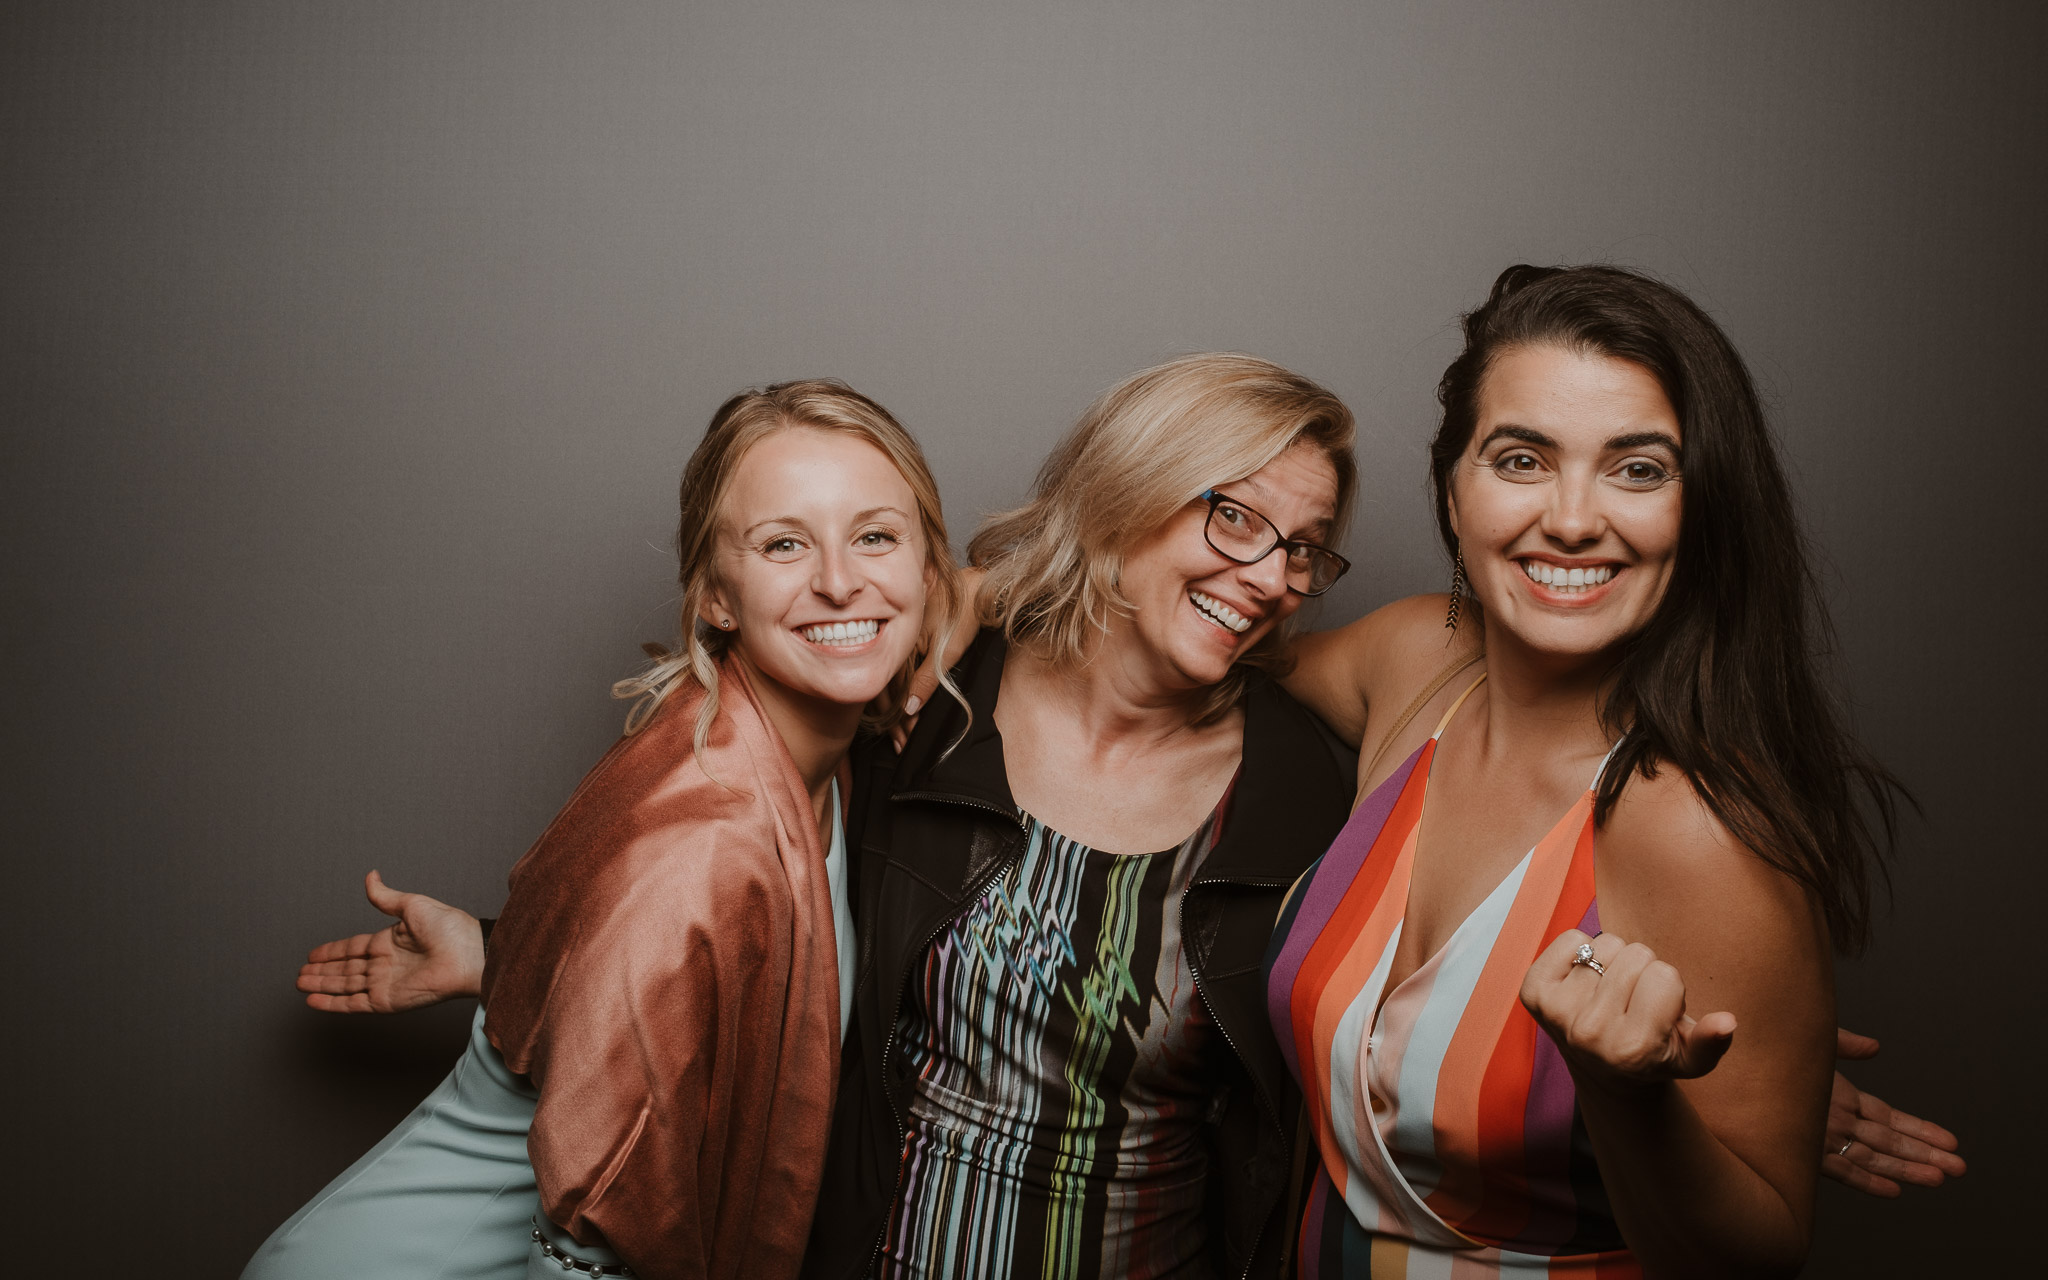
848 684
1210 664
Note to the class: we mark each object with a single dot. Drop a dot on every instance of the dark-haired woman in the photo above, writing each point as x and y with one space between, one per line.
1559 996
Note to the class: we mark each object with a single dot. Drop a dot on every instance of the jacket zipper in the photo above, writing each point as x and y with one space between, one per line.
1265 1103
967 897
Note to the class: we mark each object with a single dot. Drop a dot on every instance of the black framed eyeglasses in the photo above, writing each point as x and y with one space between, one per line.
1241 534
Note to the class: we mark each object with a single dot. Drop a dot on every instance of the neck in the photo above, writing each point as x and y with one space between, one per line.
1544 696
1110 703
816 732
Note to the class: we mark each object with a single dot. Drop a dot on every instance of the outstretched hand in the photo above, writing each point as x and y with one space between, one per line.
1622 1016
433 953
1885 1146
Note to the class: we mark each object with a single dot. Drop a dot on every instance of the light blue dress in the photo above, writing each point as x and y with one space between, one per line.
449 1194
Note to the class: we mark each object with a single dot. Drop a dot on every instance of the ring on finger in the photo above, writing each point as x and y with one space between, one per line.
1584 956
1845 1147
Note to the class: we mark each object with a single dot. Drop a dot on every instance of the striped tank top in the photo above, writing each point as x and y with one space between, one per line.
1450 1136
1062 1073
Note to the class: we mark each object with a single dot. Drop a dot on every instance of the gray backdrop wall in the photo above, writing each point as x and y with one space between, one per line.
351 353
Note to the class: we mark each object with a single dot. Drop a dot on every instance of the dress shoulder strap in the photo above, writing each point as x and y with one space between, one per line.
1429 691
1457 702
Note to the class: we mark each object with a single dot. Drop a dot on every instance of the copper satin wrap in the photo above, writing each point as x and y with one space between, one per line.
665 972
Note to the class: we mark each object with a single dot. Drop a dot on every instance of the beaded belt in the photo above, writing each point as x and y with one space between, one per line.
547 1248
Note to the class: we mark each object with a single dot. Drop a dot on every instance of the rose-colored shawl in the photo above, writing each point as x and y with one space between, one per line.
665 971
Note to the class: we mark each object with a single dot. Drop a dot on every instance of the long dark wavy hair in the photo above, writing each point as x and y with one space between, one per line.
1722 682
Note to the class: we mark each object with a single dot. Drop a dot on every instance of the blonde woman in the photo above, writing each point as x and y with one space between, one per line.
1064 1068
646 1090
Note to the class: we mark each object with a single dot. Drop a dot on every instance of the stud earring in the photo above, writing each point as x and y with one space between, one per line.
1458 588
725 624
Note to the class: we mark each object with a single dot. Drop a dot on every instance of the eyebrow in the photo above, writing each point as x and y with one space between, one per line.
1633 440
800 523
1524 434
1321 526
1637 439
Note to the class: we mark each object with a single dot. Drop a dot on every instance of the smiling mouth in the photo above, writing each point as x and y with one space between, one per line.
1220 613
1568 581
842 634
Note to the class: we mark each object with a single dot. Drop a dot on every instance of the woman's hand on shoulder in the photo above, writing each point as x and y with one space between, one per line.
924 682
1874 1147
433 952
1384 657
1616 1010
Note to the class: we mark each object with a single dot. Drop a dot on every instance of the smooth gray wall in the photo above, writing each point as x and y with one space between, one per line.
351 353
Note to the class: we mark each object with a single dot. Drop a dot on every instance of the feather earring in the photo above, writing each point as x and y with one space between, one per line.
1458 589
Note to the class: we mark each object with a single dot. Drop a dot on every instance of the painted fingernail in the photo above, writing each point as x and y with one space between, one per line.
910 707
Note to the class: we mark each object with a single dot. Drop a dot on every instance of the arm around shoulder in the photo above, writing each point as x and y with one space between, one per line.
1341 674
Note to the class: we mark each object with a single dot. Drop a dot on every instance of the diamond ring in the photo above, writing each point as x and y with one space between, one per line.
1584 956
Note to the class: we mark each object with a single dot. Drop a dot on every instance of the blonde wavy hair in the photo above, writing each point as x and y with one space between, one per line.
1148 447
822 404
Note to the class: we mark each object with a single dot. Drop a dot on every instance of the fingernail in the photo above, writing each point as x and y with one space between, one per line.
910 707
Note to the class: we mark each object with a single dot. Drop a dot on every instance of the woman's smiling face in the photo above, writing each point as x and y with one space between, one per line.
1197 613
1566 503
821 570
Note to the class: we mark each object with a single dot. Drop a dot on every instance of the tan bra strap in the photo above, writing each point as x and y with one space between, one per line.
1459 701
1429 691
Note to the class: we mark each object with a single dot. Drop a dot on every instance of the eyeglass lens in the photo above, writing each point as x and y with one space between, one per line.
1246 536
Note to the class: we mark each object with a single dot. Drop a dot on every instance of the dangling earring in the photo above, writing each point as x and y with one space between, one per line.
1457 589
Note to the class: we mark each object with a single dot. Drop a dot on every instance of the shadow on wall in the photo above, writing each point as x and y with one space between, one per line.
377 1063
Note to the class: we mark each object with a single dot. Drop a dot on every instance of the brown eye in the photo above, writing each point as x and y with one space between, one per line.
1518 465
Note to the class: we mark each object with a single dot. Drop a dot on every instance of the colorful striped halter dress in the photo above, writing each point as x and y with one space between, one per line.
1449 1130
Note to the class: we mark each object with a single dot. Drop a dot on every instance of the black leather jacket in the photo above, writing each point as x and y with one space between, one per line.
934 833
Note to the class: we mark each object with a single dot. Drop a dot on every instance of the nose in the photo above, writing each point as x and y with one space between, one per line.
837 578
1266 577
1573 517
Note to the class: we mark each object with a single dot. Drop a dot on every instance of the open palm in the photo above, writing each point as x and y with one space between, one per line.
434 952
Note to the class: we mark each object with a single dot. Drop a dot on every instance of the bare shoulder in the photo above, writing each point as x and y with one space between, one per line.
1414 644
1672 875
1349 674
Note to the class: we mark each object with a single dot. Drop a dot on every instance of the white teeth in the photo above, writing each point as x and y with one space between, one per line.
1219 612
842 633
1568 581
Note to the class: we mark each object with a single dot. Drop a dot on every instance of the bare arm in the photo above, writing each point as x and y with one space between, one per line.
434 952
1374 665
1702 1055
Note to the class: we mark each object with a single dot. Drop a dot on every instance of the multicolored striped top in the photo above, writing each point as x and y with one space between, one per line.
1449 1130
1062 1063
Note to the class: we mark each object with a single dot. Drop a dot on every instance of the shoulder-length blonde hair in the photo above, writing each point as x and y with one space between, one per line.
1143 451
822 404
